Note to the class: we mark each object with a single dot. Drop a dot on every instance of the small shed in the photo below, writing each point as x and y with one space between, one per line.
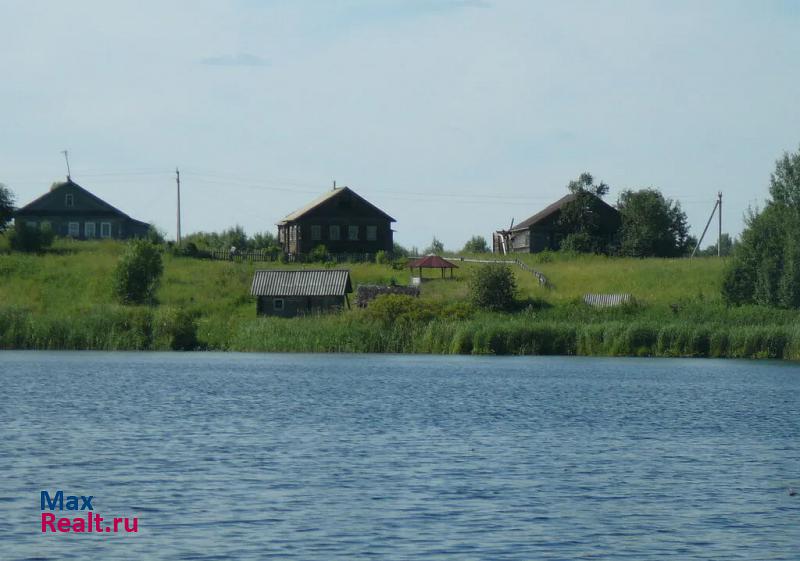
291 293
432 262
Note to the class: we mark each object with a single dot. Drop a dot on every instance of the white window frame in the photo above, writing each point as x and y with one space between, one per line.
316 232
372 233
74 229
89 230
352 233
103 226
278 304
335 233
69 200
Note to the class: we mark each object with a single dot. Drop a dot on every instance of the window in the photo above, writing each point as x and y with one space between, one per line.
31 224
69 201
334 232
316 233
74 229
105 229
372 233
88 229
277 304
45 225
352 233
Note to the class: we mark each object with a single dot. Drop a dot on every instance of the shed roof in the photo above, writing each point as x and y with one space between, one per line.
336 192
305 282
431 262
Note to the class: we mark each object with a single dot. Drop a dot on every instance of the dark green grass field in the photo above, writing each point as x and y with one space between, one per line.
63 300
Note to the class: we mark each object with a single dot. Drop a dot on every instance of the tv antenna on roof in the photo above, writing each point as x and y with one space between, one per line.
66 158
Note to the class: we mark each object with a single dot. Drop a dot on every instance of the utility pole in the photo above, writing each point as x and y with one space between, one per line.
719 235
66 158
717 205
178 183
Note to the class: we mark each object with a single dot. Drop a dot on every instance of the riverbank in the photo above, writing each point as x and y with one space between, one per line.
62 300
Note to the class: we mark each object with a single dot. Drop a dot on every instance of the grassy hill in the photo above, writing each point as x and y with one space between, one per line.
62 299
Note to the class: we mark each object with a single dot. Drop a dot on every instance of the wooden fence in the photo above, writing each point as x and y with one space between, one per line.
267 255
240 256
539 276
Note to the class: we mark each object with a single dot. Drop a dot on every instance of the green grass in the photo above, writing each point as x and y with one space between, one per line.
62 300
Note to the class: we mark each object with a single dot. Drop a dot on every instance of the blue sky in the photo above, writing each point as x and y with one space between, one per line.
452 115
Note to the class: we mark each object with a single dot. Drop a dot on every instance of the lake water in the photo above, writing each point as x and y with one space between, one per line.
229 456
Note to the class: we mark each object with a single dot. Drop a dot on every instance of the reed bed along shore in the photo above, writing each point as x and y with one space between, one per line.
62 300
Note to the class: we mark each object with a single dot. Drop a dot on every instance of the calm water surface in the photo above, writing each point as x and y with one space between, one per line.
226 456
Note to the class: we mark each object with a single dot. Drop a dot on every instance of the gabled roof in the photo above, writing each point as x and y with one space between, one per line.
41 204
544 213
431 262
552 209
330 195
306 282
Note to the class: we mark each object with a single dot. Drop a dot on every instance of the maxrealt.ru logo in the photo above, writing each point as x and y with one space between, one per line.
90 522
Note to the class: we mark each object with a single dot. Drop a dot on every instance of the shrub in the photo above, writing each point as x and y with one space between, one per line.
493 287
579 242
190 249
155 235
382 258
138 273
174 329
389 309
30 240
319 254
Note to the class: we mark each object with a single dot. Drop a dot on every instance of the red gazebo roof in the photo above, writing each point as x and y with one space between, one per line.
431 262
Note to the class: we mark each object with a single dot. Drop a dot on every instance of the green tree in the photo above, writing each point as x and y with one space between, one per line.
493 287
436 247
263 240
6 207
765 268
476 244
726 243
138 273
400 251
652 226
581 219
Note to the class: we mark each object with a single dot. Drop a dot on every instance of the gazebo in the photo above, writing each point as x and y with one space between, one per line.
432 262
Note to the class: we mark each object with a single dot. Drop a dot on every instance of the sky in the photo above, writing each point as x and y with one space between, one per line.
453 116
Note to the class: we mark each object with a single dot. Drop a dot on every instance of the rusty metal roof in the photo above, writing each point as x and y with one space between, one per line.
431 262
304 282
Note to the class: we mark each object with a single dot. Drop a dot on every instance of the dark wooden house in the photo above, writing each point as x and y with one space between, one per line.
544 230
298 292
342 221
72 211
